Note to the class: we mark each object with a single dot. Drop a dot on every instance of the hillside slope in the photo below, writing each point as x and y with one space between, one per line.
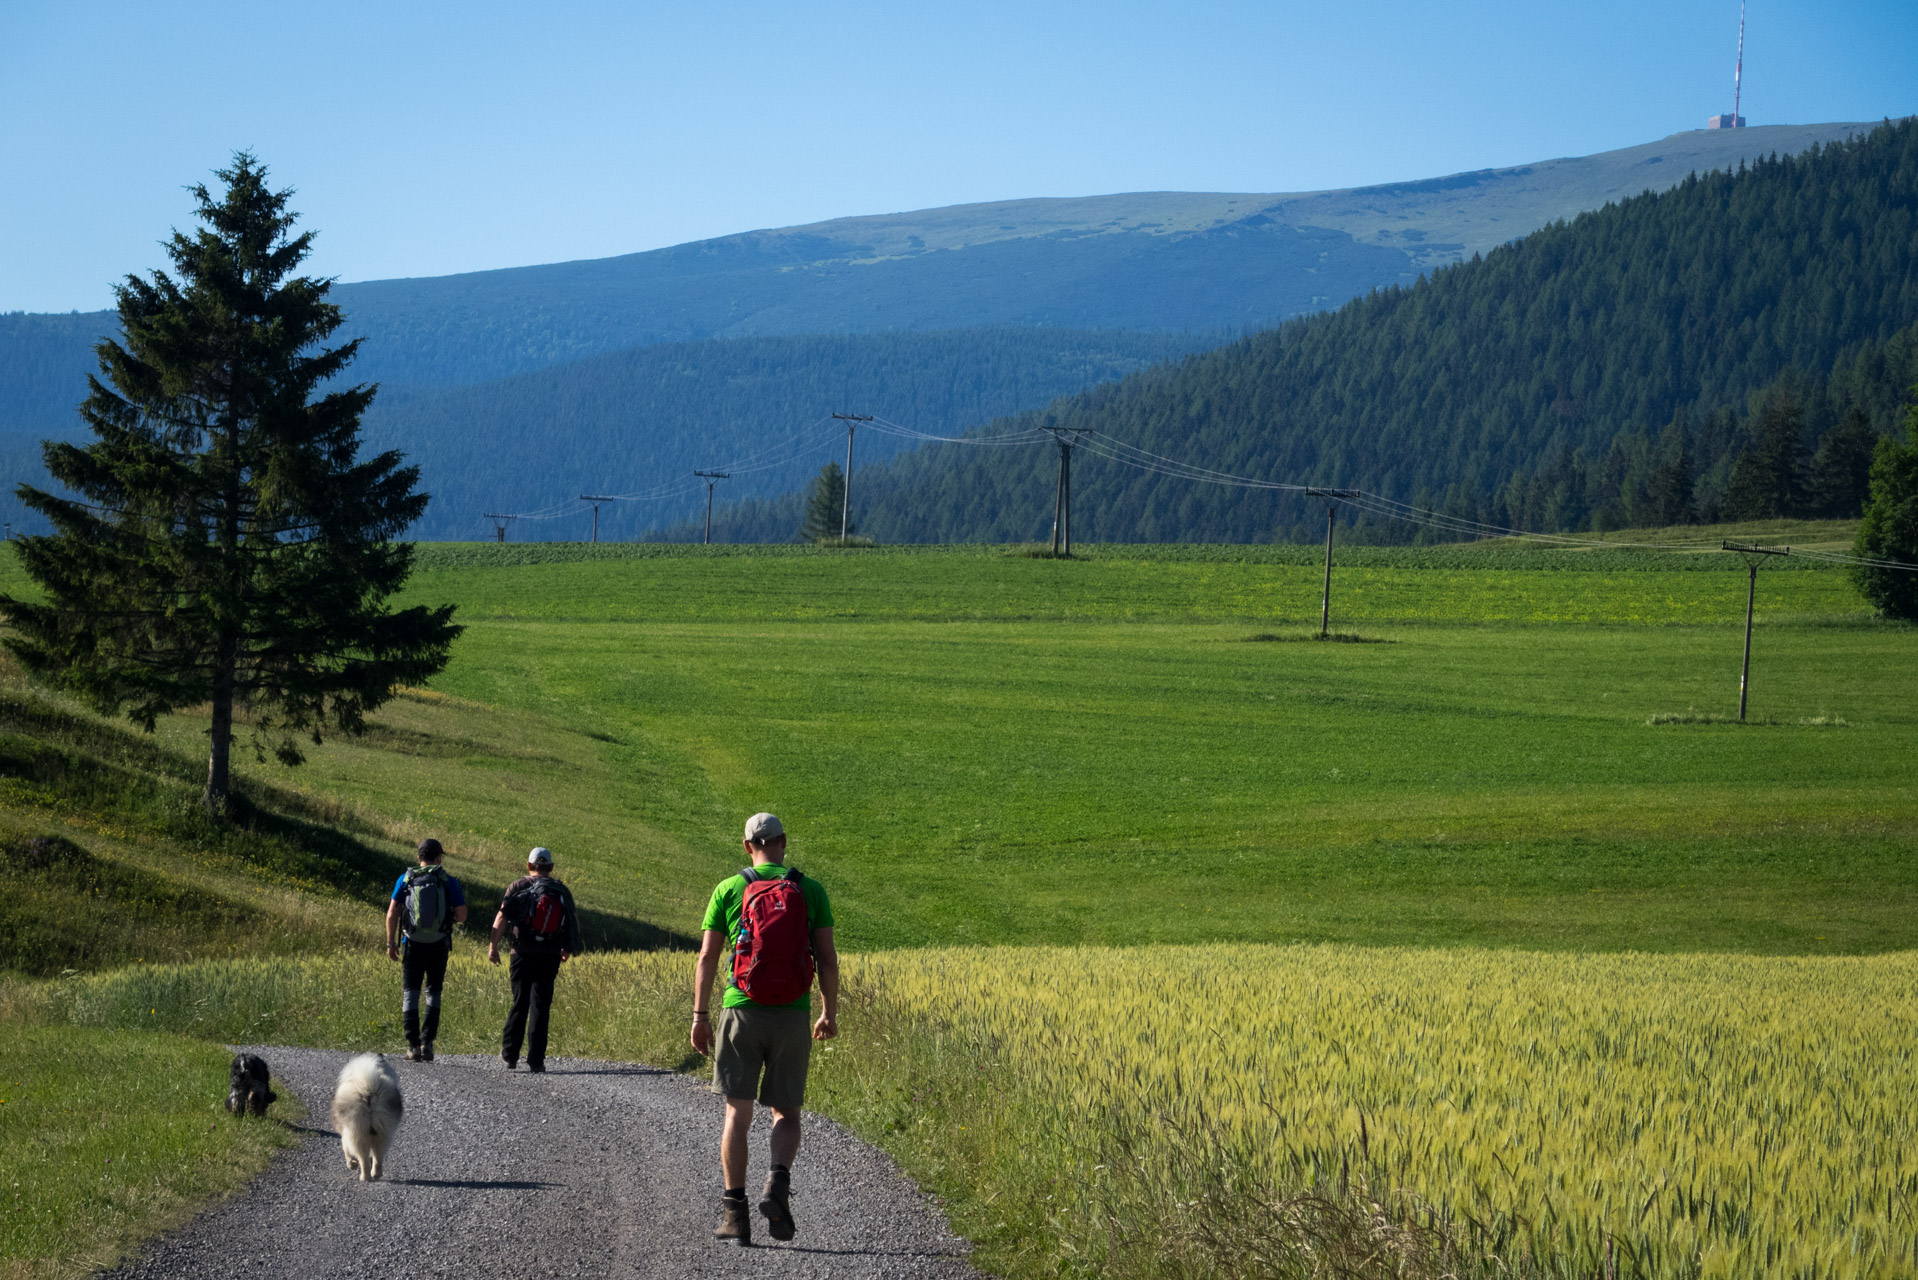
1463 390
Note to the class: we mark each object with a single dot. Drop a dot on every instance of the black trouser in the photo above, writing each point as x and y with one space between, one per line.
422 962
532 976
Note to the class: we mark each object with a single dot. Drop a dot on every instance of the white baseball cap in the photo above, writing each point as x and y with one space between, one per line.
762 828
540 857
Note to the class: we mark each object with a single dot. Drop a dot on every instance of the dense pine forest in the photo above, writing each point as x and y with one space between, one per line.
1728 347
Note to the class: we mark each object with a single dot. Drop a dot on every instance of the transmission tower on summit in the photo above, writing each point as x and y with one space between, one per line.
1734 120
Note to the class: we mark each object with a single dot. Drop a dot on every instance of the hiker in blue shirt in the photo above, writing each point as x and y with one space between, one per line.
426 904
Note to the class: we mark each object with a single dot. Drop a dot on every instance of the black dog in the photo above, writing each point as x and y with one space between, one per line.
250 1095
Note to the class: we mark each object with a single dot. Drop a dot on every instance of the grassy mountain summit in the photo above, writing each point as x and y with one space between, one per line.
1142 260
1153 260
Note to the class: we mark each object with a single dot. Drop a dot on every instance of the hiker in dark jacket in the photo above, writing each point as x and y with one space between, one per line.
426 904
545 924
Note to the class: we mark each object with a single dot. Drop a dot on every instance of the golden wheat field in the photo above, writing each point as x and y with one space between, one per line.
1708 1115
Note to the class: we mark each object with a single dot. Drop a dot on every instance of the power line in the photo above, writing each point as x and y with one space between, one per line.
595 499
1067 438
1753 556
852 421
1115 450
1332 497
711 478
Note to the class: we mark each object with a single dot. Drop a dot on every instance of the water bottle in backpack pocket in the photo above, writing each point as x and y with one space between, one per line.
772 954
426 904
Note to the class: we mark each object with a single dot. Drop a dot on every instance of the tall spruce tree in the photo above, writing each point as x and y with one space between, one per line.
825 505
1889 531
229 547
1669 490
1840 478
1768 479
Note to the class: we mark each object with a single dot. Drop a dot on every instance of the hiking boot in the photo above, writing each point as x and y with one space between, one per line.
413 1053
510 1062
426 1052
776 1204
537 1068
734 1222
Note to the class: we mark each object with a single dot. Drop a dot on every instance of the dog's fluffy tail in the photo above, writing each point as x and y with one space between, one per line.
369 1085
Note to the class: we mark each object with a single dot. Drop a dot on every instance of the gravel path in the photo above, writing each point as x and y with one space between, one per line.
593 1169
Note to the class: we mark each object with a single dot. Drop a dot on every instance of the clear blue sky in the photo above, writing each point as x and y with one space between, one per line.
427 139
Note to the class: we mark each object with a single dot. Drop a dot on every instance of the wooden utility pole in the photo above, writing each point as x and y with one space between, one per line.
1062 494
852 420
1332 497
711 478
596 499
1753 557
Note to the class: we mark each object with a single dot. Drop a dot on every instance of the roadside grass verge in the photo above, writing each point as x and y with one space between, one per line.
1174 1112
108 1137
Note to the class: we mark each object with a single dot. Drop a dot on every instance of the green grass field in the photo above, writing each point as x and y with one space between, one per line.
1136 747
976 747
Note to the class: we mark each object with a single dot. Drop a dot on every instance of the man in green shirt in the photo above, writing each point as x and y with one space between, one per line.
761 1048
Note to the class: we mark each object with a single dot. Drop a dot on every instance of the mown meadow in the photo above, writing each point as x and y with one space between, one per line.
1185 944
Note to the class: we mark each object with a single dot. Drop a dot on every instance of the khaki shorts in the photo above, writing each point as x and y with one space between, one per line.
775 1042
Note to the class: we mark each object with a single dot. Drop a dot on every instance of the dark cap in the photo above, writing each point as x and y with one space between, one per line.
430 848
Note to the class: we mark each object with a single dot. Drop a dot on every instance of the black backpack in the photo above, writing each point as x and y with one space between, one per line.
540 921
427 909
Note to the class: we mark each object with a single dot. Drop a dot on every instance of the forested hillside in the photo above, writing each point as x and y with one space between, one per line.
637 420
1541 385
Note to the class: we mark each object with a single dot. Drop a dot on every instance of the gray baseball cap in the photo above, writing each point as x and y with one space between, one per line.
764 827
540 857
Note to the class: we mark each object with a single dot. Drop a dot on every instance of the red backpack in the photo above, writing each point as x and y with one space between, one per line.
772 953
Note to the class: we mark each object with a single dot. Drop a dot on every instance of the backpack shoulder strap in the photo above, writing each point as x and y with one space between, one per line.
749 875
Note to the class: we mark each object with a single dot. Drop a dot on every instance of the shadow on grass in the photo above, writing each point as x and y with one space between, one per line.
1313 637
68 762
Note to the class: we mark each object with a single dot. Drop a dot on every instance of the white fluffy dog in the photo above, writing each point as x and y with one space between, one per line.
366 1111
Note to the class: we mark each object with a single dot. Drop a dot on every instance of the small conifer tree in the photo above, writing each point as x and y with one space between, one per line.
825 505
228 548
1889 531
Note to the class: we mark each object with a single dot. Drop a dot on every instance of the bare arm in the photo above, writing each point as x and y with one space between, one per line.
393 929
711 943
459 914
499 930
827 957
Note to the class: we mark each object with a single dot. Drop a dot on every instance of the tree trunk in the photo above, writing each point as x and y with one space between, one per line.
218 780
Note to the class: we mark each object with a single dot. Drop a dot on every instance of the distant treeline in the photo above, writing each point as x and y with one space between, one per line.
1722 349
635 419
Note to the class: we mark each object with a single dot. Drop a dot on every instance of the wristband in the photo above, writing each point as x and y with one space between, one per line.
701 1013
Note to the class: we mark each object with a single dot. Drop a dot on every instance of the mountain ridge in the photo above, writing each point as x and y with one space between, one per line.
1188 261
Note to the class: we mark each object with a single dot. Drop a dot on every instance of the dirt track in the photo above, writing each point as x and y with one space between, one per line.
593 1169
